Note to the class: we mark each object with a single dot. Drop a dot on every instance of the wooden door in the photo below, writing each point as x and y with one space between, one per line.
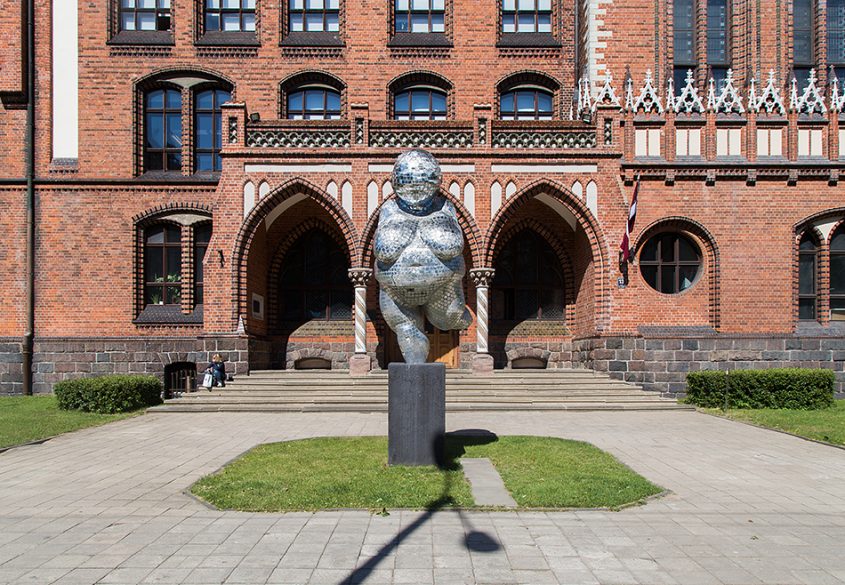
443 347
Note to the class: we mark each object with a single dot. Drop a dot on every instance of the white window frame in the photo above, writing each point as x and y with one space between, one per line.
728 141
688 142
769 142
810 143
647 142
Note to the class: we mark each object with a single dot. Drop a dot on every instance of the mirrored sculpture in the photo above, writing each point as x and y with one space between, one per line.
419 257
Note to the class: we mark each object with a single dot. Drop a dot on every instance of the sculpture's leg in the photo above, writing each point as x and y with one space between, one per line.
447 310
408 324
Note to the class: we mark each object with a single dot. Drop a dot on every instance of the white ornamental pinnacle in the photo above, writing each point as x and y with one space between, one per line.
793 96
629 94
670 94
729 100
837 100
584 102
648 99
812 100
607 95
689 102
711 95
770 100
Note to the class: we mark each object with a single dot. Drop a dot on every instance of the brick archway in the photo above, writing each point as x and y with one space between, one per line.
246 235
500 227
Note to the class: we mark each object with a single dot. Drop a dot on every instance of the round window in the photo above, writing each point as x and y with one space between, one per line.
670 263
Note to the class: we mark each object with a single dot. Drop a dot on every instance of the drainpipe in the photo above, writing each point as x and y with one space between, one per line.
29 333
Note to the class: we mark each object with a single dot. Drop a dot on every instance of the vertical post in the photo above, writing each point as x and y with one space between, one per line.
483 361
360 362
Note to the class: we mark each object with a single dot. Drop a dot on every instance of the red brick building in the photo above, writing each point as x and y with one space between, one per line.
207 176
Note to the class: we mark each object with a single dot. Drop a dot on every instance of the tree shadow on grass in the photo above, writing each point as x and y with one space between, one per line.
452 446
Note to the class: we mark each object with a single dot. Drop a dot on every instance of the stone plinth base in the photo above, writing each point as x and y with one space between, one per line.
416 418
359 365
482 363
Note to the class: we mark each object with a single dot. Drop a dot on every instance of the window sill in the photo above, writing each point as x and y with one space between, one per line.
178 177
143 37
168 315
406 39
312 39
517 40
228 39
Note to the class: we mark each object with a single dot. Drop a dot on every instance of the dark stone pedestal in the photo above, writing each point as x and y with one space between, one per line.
416 417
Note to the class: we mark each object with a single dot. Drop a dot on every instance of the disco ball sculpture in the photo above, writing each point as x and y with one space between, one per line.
419 257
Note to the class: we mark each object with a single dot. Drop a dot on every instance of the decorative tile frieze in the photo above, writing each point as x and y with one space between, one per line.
297 138
543 139
420 139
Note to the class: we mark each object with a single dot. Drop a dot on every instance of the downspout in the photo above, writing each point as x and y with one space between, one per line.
29 333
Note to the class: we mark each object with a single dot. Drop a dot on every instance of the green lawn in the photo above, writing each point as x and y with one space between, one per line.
826 425
31 418
332 472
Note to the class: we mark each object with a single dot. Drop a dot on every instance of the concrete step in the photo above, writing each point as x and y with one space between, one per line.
456 407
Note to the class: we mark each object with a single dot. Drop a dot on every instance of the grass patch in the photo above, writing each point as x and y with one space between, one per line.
826 425
334 472
31 418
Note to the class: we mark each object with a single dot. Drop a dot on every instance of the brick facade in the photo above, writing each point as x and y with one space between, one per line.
569 180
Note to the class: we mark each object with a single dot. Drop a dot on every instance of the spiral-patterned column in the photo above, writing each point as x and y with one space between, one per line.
482 277
360 277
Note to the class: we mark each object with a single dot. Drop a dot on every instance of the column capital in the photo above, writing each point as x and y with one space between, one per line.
482 276
360 276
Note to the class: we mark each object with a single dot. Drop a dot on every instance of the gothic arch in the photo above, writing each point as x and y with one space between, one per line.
243 241
703 236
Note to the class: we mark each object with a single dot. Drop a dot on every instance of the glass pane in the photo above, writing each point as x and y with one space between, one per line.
146 21
438 23
155 236
233 4
509 24
153 265
153 161
544 5
807 274
155 100
838 240
341 304
127 21
154 130
315 304
419 4
127 3
649 253
231 22
802 48
525 4
684 44
332 22
174 295
401 102
837 274
667 248
174 162
509 5
249 22
174 99
297 4
552 303
525 101
807 244
649 275
173 235
401 5
314 22
807 309
837 306
205 130
205 162
153 295
198 295
526 304
544 23
292 305
667 275
687 250
507 102
332 101
687 276
174 264
248 4
420 101
212 3
438 102
174 130
314 99
438 5
314 4
419 23
544 102
212 21
525 23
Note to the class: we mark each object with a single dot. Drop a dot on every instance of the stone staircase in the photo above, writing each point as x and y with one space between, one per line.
336 391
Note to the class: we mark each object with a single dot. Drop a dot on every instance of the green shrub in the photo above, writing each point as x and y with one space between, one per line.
108 394
797 388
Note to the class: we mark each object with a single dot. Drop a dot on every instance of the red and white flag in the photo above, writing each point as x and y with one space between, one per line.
625 246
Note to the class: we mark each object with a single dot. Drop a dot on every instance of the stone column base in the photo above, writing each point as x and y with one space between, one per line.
359 365
482 363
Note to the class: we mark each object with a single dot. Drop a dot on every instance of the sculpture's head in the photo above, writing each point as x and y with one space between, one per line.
416 178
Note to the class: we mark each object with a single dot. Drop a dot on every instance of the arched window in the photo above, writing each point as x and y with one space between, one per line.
526 103
528 282
230 15
419 103
202 236
313 283
837 275
808 252
208 122
836 36
683 29
313 103
163 130
670 262
718 40
163 265
803 40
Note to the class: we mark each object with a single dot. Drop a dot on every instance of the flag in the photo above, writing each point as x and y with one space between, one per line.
625 246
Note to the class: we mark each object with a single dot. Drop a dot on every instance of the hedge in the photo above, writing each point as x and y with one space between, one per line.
108 394
797 388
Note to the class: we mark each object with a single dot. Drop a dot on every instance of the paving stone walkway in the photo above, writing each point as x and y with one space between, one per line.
106 505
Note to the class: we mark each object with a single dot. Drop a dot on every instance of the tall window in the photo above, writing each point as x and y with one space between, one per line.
670 262
145 15
527 104
419 103
163 265
420 16
163 130
803 40
684 41
528 282
808 252
526 16
202 236
209 128
837 275
314 283
836 36
230 15
718 48
313 103
314 15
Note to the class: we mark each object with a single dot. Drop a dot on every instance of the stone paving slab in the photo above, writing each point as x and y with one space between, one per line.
106 505
488 489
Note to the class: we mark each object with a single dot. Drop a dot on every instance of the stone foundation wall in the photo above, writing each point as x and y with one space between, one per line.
555 353
11 366
662 364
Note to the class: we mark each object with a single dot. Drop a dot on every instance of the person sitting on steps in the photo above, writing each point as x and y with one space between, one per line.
217 368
